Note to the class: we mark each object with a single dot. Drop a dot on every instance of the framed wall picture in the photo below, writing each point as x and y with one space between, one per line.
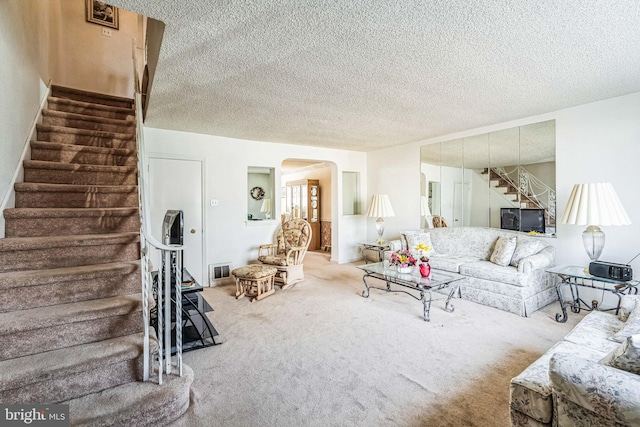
101 13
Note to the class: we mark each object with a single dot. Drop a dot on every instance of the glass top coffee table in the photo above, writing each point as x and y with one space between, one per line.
438 280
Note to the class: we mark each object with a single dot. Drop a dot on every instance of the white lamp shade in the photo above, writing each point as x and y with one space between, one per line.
380 207
424 206
266 205
594 204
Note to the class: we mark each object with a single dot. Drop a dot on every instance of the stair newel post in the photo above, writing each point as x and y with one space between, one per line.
178 303
167 310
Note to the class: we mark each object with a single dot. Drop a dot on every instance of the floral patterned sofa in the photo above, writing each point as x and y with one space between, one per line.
591 378
517 283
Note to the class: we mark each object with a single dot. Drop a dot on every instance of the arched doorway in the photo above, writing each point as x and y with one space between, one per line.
307 192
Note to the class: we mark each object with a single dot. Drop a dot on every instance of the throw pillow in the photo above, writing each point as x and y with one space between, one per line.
414 239
631 326
524 249
503 250
626 356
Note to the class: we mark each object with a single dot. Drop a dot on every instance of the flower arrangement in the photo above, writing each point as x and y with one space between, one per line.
402 258
423 248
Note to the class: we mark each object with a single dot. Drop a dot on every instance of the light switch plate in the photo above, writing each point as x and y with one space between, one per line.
106 32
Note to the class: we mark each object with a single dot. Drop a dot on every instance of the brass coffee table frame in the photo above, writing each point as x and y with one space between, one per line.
438 280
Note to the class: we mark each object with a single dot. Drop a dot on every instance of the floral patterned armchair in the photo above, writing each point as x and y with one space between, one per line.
292 241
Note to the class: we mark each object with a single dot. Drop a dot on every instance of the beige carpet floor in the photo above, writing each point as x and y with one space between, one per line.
319 354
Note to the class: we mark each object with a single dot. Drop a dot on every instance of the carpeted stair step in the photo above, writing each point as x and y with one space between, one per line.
36 222
68 373
135 404
96 98
21 290
32 253
89 109
97 138
80 121
40 195
41 329
83 154
66 173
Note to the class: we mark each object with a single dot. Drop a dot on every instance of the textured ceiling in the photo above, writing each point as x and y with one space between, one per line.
364 74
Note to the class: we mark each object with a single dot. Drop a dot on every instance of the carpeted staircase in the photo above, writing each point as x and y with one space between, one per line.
70 302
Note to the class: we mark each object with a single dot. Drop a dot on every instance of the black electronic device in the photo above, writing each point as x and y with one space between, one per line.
610 270
532 220
510 219
173 234
524 220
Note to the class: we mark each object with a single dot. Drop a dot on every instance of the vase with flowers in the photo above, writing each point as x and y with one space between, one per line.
403 260
425 268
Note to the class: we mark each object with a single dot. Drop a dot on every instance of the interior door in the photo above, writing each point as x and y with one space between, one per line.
177 184
460 205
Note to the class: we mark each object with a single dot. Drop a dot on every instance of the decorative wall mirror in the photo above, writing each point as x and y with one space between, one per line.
503 179
351 203
260 192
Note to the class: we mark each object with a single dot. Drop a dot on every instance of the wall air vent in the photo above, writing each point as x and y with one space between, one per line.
219 273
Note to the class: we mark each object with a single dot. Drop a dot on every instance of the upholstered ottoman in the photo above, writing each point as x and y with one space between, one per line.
254 280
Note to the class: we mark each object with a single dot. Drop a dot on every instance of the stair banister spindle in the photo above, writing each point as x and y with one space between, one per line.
178 304
167 310
145 312
160 328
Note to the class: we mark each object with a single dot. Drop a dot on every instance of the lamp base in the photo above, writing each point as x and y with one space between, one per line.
380 231
593 240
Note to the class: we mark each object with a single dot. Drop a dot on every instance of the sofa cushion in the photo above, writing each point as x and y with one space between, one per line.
631 326
450 263
531 390
490 271
503 251
525 248
626 356
595 331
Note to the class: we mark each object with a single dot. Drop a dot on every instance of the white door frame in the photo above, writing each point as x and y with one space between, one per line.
203 181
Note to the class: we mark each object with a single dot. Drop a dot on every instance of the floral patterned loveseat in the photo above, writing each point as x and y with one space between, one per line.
518 285
591 378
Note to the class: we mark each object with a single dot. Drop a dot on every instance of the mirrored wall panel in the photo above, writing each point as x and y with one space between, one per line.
503 179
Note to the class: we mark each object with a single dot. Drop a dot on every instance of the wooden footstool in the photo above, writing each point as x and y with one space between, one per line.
254 280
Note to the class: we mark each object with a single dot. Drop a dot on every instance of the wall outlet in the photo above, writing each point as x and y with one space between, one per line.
106 32
215 202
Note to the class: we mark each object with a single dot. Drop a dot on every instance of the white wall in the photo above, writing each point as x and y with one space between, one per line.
596 142
229 236
85 59
25 30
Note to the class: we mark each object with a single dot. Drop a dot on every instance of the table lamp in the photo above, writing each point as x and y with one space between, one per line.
266 208
594 204
380 208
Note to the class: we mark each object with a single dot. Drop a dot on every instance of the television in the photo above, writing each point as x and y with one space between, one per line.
524 220
510 219
532 220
